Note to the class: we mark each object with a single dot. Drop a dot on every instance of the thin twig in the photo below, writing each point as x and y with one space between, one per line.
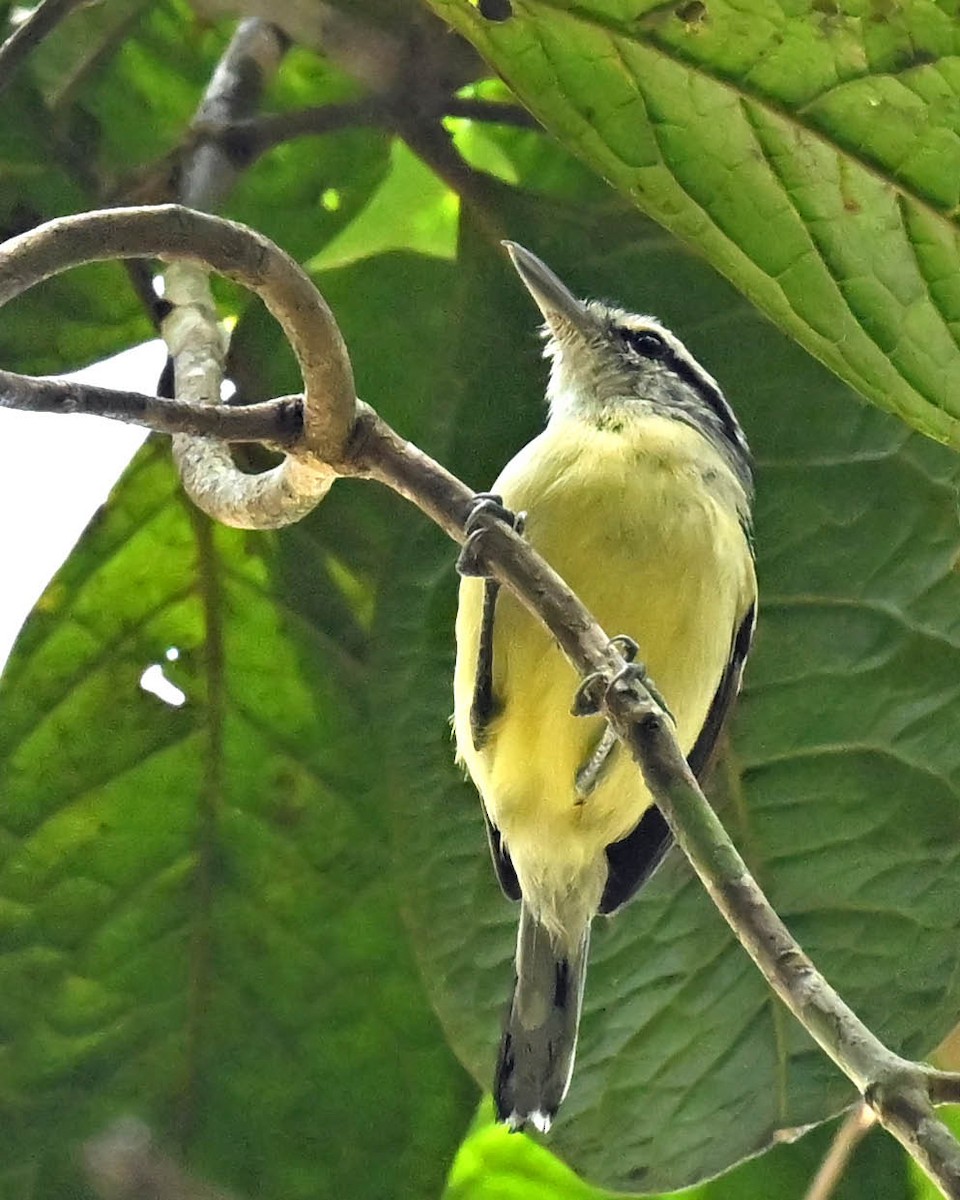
492 112
41 22
273 422
247 139
853 1129
896 1089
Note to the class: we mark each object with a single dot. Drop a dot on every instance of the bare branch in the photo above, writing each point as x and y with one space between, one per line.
492 112
247 139
211 168
41 22
277 423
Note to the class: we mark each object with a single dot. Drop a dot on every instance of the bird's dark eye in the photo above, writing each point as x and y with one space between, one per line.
645 342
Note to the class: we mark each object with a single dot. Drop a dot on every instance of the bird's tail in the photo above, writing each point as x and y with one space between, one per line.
540 1036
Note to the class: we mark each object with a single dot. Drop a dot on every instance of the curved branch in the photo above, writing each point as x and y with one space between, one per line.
170 232
194 338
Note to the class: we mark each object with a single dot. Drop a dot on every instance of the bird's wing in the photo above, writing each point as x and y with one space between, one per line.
633 859
502 863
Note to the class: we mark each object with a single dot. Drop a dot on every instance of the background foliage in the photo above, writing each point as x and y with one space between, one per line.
264 921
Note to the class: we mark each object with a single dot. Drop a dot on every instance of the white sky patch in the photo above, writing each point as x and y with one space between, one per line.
171 654
55 472
157 684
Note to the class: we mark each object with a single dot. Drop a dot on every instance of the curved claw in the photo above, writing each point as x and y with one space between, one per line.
638 672
484 504
589 696
627 647
470 559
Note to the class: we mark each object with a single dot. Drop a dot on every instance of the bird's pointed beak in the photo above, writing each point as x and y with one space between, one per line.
562 311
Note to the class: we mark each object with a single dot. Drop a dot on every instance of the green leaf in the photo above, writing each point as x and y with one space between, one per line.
135 108
411 210
810 154
197 916
76 318
841 784
80 45
495 1165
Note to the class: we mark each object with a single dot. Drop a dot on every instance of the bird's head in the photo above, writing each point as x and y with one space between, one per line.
607 362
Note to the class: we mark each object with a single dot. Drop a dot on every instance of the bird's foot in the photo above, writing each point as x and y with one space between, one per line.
484 504
592 692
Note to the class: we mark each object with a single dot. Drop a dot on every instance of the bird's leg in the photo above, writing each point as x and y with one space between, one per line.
596 765
485 705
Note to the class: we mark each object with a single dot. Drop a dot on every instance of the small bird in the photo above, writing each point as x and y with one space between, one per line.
638 493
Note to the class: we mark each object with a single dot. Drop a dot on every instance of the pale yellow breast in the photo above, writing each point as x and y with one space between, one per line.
643 526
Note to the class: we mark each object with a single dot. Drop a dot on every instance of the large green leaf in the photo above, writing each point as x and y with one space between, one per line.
810 151
197 917
841 785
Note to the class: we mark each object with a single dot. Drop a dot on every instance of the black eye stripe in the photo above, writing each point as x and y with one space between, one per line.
711 396
645 342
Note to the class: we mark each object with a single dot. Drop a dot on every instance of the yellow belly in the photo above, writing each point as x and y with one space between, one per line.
656 551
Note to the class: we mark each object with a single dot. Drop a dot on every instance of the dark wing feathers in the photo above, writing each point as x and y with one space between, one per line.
634 858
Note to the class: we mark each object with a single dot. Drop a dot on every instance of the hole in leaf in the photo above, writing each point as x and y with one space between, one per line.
157 684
